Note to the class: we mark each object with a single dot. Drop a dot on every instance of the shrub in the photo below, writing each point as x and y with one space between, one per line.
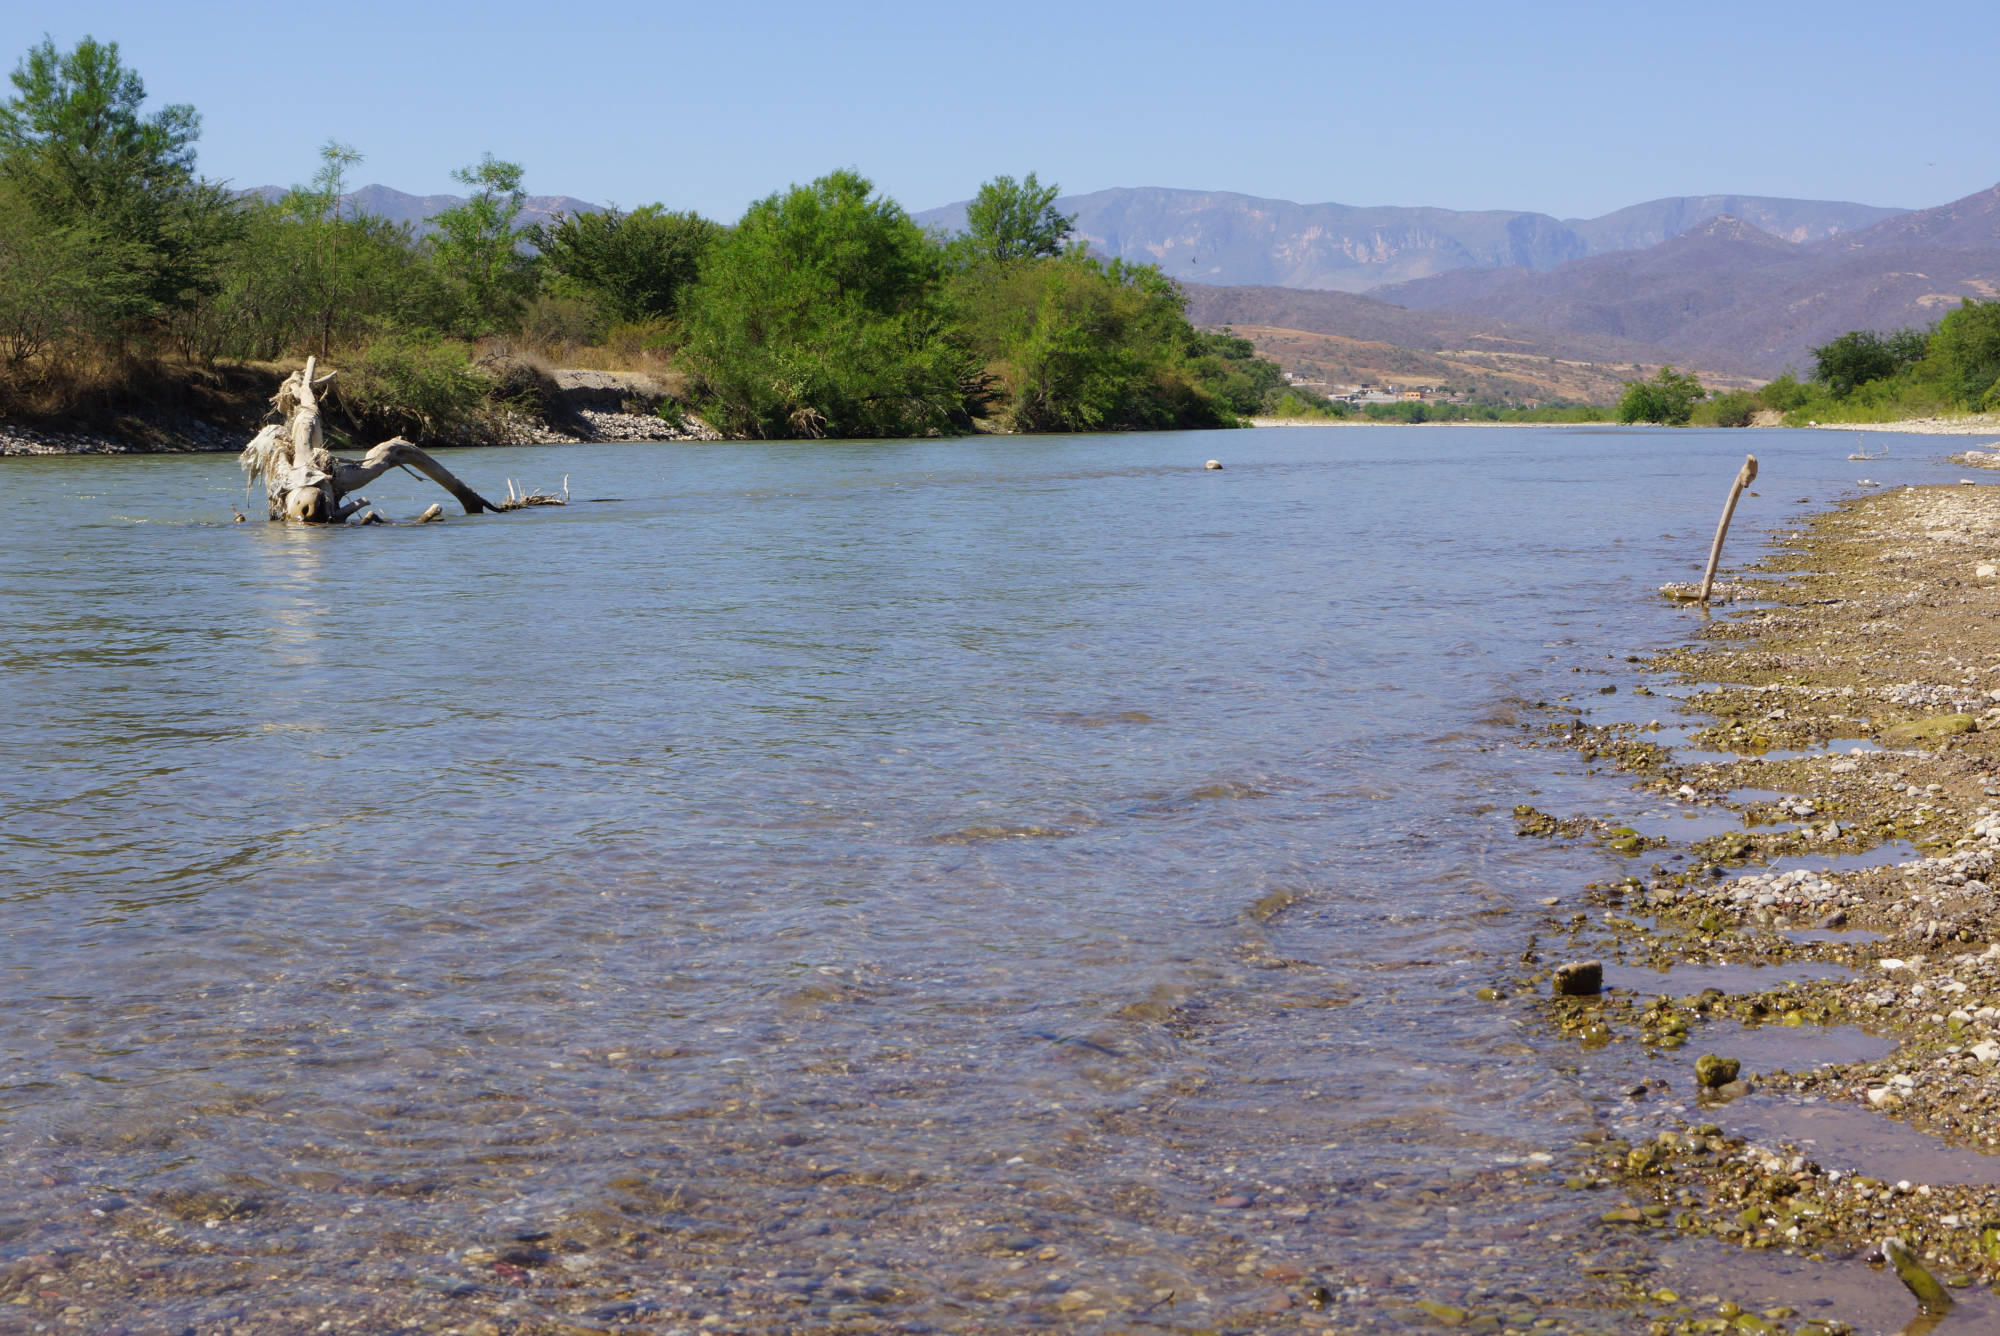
559 323
415 386
1668 398
1734 409
1785 394
1296 403
1861 355
1964 356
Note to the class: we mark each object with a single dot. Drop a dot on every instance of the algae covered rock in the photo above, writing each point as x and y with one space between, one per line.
1931 729
1712 1072
1933 1297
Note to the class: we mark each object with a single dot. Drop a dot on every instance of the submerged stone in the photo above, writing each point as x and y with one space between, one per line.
1580 978
1933 1297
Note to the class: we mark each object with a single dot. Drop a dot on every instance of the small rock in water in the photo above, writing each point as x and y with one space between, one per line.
1213 464
1837 919
1713 1072
1581 978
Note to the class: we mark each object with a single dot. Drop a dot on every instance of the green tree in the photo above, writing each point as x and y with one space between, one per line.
821 313
308 274
1964 357
1079 345
1733 409
1862 355
77 149
1230 369
483 272
59 284
74 136
1668 398
1016 220
328 281
633 265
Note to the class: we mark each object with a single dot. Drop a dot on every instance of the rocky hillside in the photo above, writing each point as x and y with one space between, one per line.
1731 293
1350 315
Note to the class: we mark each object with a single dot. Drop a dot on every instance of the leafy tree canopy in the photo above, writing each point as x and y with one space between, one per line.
820 314
635 265
1965 355
1862 355
1016 220
485 275
119 185
1668 398
73 130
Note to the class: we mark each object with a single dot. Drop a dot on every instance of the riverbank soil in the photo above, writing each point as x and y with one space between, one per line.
1818 1066
145 408
178 408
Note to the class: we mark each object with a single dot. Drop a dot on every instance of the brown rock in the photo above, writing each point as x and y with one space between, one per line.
1580 978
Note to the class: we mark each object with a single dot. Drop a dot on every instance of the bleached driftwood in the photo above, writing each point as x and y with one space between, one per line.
306 482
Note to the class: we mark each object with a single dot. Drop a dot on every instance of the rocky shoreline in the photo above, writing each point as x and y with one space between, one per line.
1818 1068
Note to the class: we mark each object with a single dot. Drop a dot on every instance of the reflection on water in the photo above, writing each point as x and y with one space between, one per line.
985 883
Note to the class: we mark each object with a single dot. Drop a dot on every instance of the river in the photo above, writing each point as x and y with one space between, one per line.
950 885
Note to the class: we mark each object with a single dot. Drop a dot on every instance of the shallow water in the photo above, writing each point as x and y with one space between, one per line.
1857 1140
960 876
1682 980
1763 1049
1868 1298
1835 865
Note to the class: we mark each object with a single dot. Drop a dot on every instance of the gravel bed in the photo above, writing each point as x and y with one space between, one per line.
1865 693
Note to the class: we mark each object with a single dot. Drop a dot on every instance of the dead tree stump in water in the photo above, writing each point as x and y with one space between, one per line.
305 482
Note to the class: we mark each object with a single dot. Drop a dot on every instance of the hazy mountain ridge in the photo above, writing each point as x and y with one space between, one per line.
1733 294
1352 315
1229 239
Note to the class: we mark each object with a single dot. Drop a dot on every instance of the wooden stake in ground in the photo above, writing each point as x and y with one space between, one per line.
305 482
1744 477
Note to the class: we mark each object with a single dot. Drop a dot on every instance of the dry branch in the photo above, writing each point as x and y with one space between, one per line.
305 482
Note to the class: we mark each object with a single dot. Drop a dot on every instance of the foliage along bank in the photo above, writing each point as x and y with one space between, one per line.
824 311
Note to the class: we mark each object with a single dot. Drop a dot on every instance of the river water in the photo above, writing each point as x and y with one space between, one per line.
961 885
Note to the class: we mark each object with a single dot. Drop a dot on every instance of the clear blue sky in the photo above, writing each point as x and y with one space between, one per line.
1573 110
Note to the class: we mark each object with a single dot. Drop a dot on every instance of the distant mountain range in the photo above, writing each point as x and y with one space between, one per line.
399 207
1227 239
1734 295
